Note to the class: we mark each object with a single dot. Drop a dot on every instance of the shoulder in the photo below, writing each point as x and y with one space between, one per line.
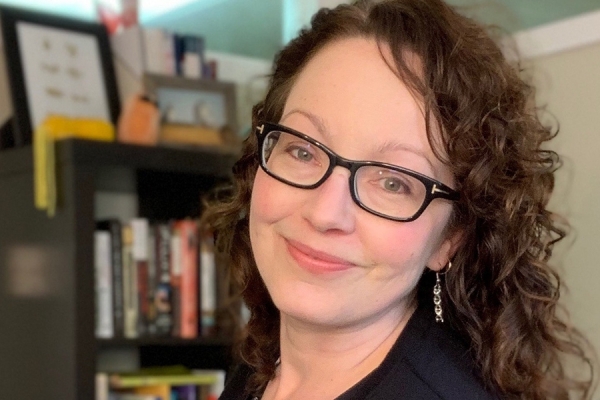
235 389
426 362
431 359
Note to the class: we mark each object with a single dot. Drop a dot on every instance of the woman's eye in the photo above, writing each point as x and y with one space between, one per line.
301 154
394 185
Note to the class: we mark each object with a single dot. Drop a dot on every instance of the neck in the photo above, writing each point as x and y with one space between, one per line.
344 355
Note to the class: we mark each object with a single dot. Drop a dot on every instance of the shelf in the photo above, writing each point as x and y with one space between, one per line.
56 256
163 341
205 160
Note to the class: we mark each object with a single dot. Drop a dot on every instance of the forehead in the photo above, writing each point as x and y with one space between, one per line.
360 99
351 87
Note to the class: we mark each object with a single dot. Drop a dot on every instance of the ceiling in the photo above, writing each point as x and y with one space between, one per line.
255 27
518 15
255 30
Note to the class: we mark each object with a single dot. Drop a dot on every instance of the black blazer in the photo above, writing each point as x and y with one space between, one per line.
427 362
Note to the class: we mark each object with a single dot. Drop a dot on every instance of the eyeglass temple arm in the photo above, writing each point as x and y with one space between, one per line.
441 192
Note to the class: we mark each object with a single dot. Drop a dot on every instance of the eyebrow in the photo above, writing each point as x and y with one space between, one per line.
387 146
317 121
395 146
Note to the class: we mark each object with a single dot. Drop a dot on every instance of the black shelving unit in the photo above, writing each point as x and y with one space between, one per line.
48 349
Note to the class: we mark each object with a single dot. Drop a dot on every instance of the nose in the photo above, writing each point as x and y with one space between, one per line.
330 206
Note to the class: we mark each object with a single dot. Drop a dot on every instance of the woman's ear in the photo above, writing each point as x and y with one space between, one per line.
439 260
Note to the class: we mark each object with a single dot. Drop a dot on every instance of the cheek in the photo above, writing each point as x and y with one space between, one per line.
408 245
271 202
259 201
267 204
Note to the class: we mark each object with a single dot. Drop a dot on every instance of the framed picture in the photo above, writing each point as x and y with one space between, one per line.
56 65
194 111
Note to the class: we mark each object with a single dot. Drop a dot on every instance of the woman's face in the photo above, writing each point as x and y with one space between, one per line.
324 260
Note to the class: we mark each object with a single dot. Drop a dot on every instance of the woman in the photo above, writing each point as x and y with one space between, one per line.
388 227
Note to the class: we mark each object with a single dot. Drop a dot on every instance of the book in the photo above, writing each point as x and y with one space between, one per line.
143 49
208 285
133 396
175 280
113 226
214 390
103 284
188 231
189 55
162 295
186 392
158 391
127 381
102 386
140 231
130 299
152 283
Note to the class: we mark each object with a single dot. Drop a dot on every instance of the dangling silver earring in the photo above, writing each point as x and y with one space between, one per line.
437 299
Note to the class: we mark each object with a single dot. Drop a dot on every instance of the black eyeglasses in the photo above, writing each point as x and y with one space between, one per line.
385 190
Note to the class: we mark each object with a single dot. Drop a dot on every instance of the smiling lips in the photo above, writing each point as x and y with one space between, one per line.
315 261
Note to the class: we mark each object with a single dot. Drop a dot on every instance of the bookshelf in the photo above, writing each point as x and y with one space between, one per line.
48 349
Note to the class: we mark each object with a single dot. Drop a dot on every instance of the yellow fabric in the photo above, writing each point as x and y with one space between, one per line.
57 128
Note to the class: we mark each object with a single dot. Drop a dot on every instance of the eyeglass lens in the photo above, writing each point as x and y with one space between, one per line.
383 190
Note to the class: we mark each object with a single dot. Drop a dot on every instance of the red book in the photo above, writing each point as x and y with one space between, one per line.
188 233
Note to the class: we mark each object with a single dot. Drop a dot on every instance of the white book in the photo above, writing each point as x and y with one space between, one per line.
103 272
128 48
141 231
208 281
102 386
144 49
176 255
153 45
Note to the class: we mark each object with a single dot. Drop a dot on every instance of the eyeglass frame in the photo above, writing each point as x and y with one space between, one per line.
434 188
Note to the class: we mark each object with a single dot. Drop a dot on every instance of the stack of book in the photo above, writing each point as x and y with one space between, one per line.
158 51
161 383
154 279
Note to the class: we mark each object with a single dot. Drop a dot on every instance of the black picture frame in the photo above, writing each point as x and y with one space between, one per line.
10 19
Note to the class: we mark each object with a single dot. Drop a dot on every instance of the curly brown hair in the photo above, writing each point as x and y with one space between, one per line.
501 293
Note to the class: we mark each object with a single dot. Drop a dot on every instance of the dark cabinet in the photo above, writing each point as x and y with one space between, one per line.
48 349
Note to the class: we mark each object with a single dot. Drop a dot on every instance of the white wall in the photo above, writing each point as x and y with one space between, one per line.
569 84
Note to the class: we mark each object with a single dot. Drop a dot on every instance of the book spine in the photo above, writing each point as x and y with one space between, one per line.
208 285
140 229
153 48
102 386
186 392
193 56
134 396
130 306
152 282
131 381
169 53
117 276
162 295
175 275
189 278
113 226
178 53
103 270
